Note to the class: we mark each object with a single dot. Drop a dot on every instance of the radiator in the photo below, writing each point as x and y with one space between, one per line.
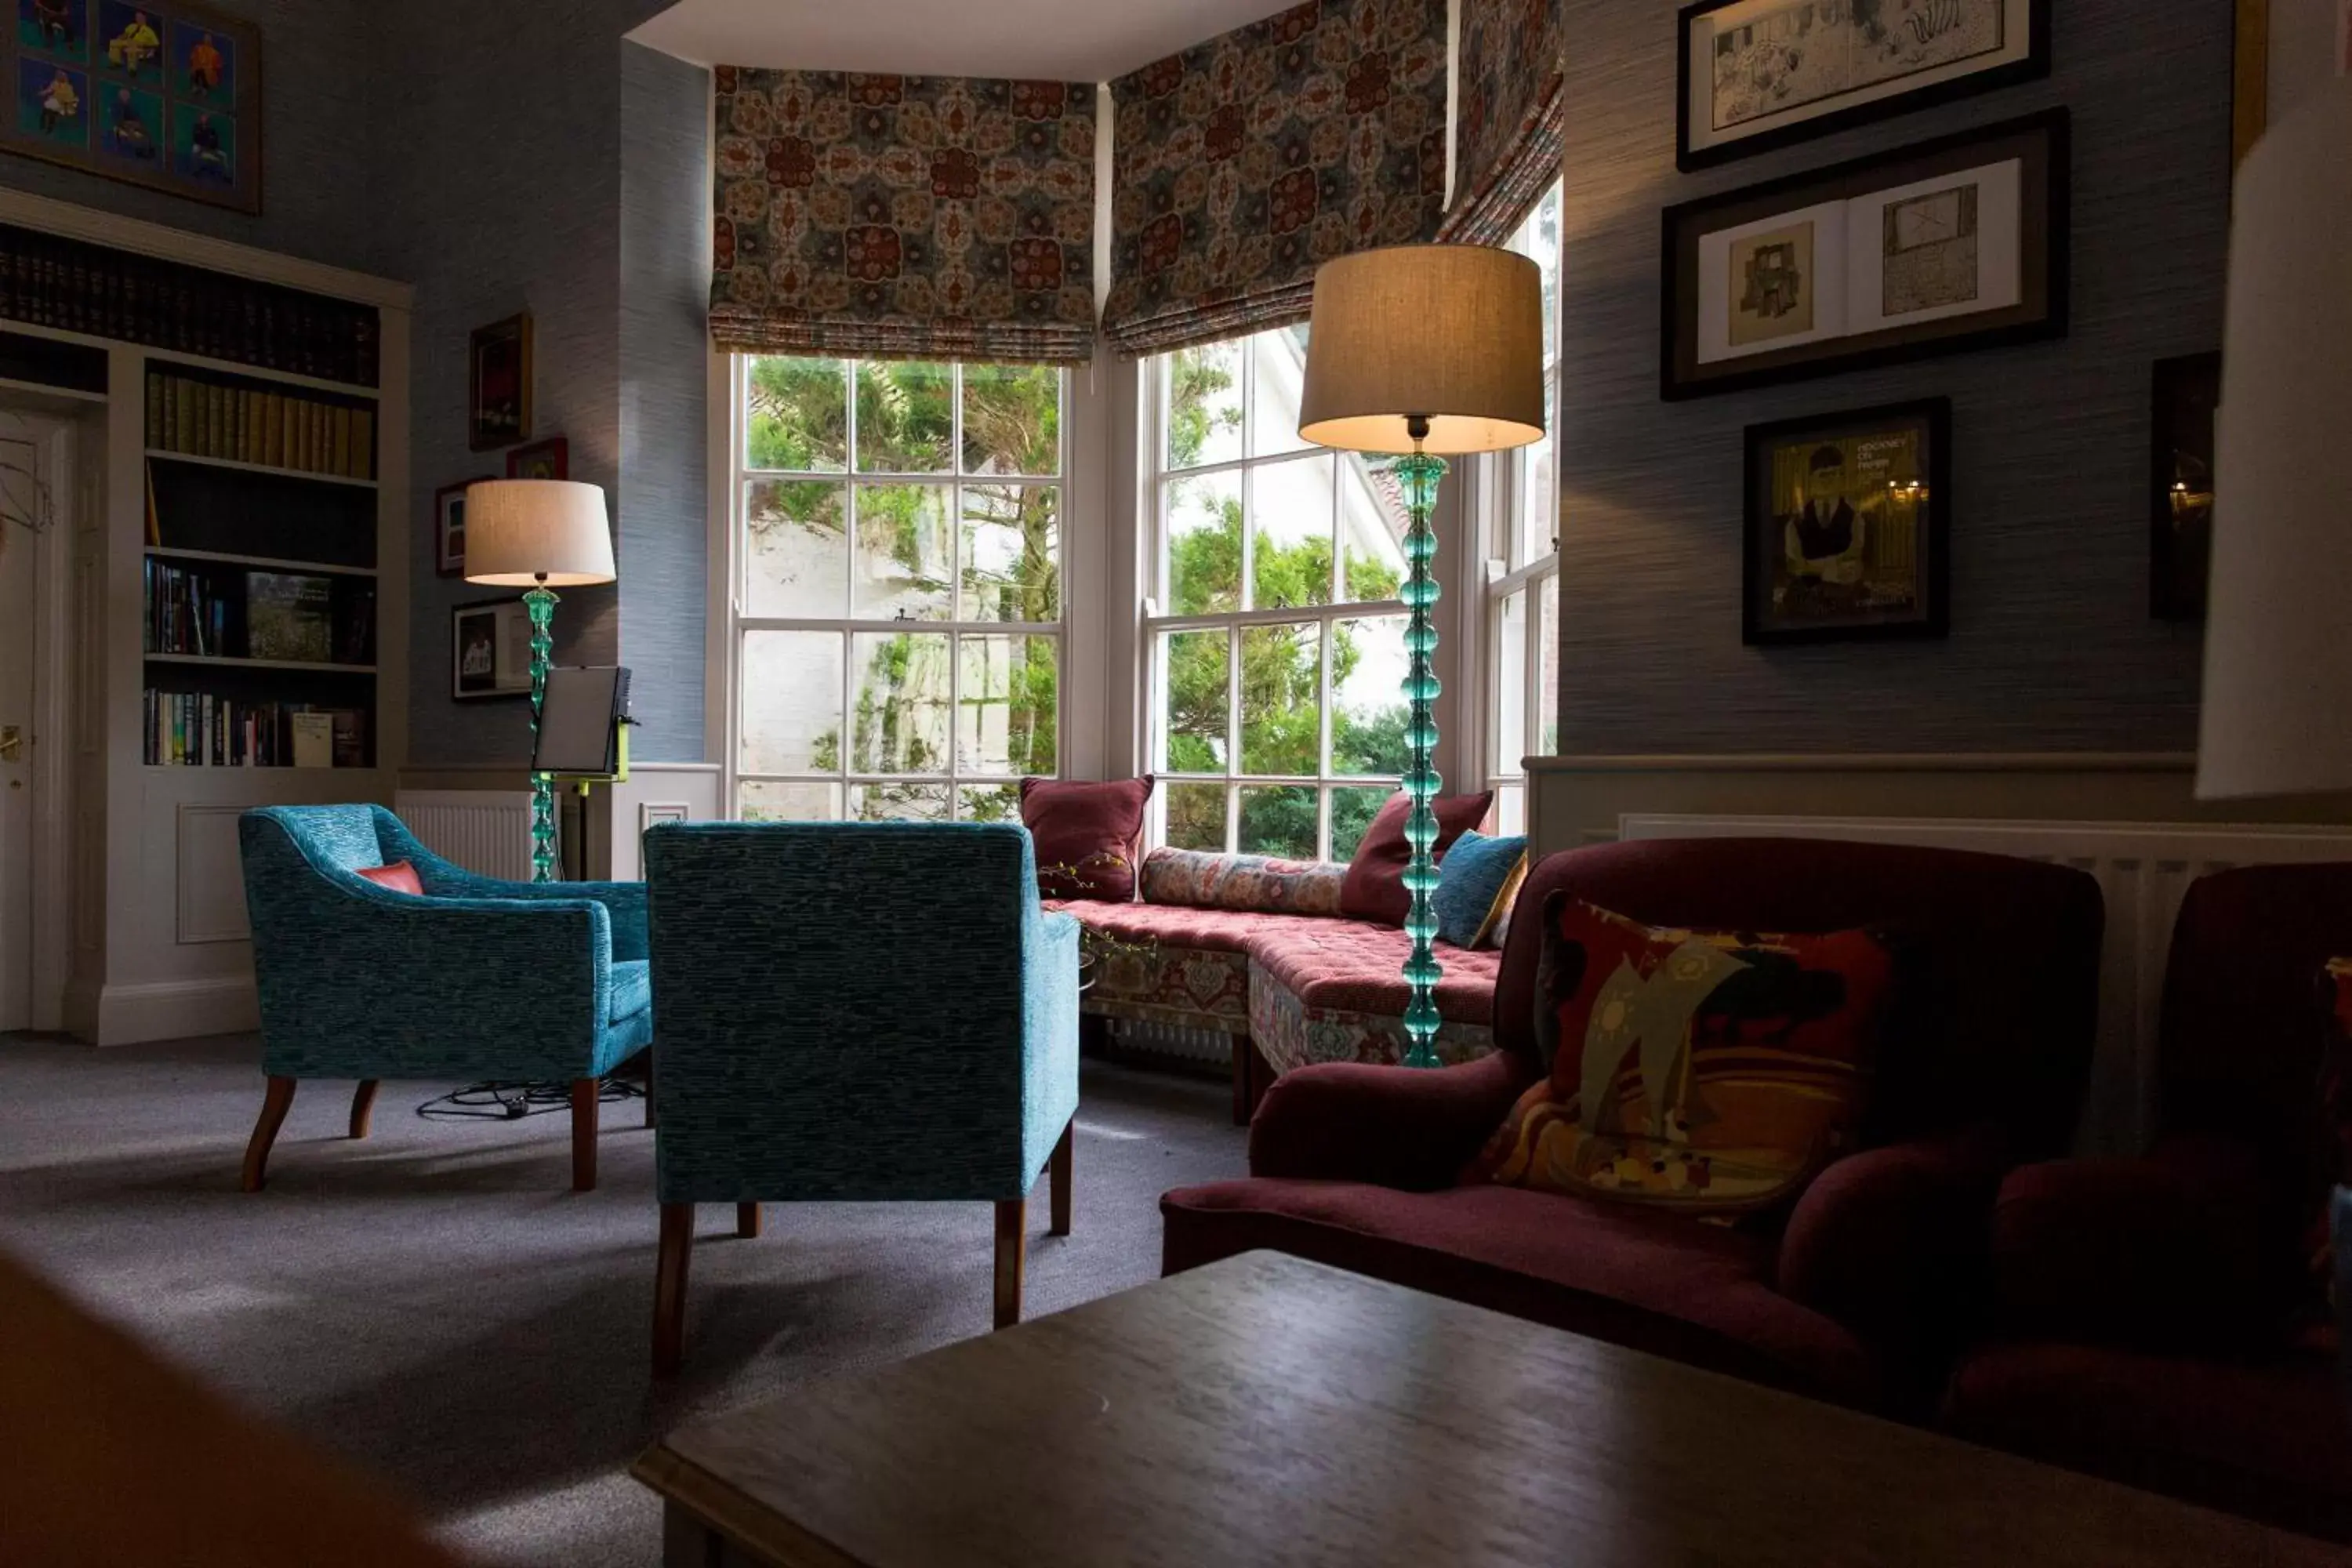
2143 869
486 831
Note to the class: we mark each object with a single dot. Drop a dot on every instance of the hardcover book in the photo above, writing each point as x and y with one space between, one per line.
288 617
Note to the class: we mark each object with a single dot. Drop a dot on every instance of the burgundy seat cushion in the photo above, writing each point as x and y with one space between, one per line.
2264 1436
1696 1292
1356 966
1182 925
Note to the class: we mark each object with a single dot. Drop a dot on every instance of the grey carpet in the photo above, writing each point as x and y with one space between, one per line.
434 1304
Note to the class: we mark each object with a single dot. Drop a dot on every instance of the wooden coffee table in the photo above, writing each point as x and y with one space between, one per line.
1270 1410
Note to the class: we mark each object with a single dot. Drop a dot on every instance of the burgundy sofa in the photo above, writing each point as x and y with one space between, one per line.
2160 1324
1861 1292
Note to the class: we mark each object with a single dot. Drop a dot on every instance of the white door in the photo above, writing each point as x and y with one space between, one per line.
20 506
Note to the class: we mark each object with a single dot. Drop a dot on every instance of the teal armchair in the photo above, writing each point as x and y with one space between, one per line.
477 979
856 1012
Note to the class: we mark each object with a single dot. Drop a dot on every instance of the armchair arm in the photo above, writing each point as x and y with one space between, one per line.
444 879
1395 1127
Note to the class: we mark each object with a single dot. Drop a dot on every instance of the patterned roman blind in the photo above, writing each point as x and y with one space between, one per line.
904 216
1242 165
1510 114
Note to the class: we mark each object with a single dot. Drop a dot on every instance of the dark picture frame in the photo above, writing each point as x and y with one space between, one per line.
548 459
2184 398
2011 45
1754 244
449 527
1863 498
167 96
498 384
489 642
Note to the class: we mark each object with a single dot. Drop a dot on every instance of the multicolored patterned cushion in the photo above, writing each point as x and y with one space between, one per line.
1374 888
1086 835
1476 884
1709 1072
1254 883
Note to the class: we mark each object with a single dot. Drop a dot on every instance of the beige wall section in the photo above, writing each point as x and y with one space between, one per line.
1577 800
2304 50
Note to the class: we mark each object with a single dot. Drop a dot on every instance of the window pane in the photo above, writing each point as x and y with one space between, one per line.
1201 391
775 800
1368 705
1011 419
1548 656
1282 699
1290 559
792 702
905 418
1278 819
989 803
1198 675
1372 523
1204 545
1279 359
1196 816
799 415
1012 553
1510 810
1510 715
1538 508
899 802
1009 705
903 568
900 716
795 548
1352 811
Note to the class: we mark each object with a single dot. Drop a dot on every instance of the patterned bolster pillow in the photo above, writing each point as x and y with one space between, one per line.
1250 884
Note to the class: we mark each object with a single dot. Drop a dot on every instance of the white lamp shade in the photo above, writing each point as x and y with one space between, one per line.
524 532
1449 334
2277 711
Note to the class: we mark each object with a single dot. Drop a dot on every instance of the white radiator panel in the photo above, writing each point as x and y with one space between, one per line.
488 832
2143 869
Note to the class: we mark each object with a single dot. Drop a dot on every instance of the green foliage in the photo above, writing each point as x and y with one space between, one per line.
1198 403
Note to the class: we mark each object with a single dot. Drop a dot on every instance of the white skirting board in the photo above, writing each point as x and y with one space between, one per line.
167 1010
488 832
2143 869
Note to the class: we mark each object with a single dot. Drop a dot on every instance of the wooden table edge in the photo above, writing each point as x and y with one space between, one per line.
765 1534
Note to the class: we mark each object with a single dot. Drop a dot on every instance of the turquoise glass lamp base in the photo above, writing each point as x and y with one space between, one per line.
539 603
1420 474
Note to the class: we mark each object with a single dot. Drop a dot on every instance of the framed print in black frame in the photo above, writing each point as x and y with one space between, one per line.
1760 74
2186 396
489 650
1957 243
1848 526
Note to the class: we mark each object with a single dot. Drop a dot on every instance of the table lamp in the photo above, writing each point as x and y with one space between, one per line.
1426 351
538 534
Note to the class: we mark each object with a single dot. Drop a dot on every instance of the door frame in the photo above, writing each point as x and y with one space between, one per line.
55 439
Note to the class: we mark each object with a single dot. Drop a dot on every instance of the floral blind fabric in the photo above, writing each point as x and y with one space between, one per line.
904 218
1244 162
1509 118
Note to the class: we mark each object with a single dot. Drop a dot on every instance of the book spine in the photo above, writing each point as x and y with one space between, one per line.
154 436
340 463
273 427
363 444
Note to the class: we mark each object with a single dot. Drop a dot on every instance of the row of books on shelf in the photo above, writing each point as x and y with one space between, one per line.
186 612
73 285
248 425
194 729
295 617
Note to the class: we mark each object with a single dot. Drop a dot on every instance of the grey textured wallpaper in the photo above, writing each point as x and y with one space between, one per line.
2052 647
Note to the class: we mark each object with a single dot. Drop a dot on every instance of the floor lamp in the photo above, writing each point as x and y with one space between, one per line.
1427 352
538 534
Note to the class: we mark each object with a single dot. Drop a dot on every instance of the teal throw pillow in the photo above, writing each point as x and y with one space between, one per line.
1476 884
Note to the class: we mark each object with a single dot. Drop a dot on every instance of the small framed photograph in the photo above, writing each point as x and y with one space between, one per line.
1955 244
1758 74
548 459
2188 394
489 650
449 527
497 384
1848 526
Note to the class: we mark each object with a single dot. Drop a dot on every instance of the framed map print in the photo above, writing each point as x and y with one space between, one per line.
1953 244
1757 74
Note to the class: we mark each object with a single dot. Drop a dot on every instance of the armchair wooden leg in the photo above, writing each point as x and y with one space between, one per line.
747 1220
362 1106
585 1093
1011 1255
669 1287
1057 1178
274 1101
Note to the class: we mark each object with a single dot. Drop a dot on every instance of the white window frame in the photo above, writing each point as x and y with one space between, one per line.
739 476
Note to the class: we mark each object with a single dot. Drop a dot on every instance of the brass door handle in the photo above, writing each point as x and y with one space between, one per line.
12 742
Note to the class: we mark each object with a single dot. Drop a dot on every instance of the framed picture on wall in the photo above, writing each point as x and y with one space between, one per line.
548 459
1954 243
449 527
489 650
1758 74
498 384
2188 394
1848 526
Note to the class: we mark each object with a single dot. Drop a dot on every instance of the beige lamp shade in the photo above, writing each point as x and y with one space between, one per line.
2277 714
1449 334
522 531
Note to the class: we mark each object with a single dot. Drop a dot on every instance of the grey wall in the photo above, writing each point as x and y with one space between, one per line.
316 152
2051 648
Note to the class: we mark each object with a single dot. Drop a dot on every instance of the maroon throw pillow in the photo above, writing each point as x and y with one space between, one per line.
1088 835
400 877
1374 889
